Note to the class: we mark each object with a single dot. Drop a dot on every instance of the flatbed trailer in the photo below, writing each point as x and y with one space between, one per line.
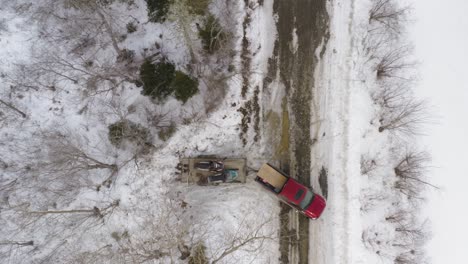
192 175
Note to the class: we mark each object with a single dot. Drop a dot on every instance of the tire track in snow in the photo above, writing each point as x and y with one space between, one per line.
301 26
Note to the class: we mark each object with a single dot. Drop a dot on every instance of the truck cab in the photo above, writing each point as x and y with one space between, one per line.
290 191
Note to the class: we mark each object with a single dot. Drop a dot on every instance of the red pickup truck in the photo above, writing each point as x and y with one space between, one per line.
291 191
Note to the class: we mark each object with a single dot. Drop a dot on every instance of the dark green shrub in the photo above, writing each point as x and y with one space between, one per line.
184 86
126 55
161 79
166 132
211 34
131 27
157 10
88 63
157 79
198 255
127 130
116 236
116 133
198 7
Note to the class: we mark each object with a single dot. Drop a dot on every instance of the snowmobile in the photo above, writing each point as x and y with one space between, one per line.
229 175
216 166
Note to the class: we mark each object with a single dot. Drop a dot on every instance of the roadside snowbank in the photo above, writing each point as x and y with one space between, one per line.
367 220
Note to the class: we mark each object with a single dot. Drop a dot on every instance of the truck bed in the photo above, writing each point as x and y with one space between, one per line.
272 176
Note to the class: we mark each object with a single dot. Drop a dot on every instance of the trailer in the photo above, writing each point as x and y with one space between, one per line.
234 171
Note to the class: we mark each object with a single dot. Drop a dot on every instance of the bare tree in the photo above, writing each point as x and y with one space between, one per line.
80 20
158 117
51 168
402 115
411 256
173 231
391 94
50 70
407 257
410 237
379 241
15 250
212 63
398 216
388 15
367 165
404 118
410 172
76 38
52 227
394 62
67 158
408 231
370 200
247 238
193 113
165 234
95 211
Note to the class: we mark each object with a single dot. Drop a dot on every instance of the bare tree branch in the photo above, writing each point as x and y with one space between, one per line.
410 172
388 15
394 62
13 108
406 117
244 238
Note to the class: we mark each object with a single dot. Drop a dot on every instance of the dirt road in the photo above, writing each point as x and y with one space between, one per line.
302 32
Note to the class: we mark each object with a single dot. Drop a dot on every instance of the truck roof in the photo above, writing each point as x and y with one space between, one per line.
294 192
269 174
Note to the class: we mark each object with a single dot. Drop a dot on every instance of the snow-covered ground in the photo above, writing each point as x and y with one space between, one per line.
146 213
143 213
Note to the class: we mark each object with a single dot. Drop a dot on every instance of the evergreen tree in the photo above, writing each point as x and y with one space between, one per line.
157 79
184 86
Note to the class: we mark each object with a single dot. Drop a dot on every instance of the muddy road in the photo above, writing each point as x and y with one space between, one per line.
302 34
